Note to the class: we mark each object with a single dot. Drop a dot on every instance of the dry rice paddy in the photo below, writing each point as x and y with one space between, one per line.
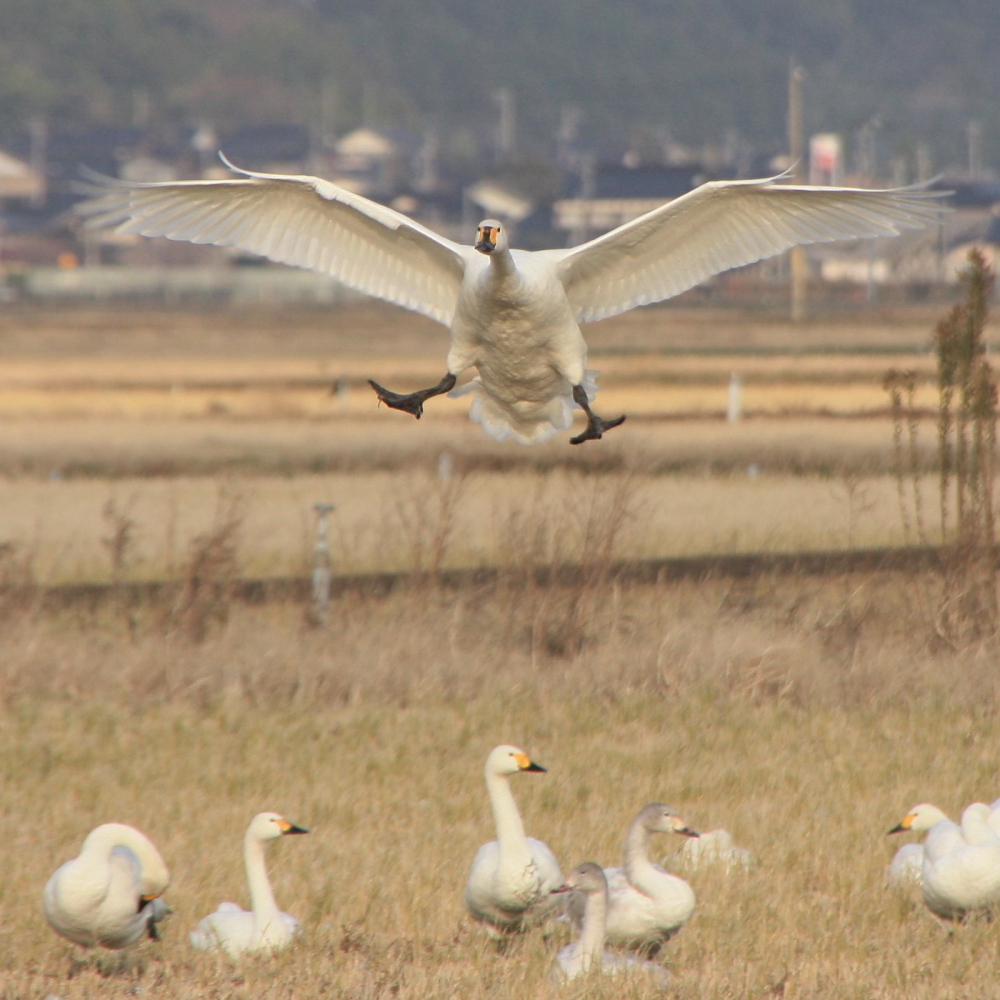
804 714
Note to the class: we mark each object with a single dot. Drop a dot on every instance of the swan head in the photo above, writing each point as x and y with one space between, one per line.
490 237
271 826
587 878
919 819
506 760
658 818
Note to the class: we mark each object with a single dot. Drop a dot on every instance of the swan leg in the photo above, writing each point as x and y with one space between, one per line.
596 426
412 402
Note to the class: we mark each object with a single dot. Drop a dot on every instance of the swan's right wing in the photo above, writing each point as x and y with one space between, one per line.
294 219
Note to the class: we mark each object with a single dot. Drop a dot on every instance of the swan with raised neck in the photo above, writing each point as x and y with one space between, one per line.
587 954
511 877
647 905
263 927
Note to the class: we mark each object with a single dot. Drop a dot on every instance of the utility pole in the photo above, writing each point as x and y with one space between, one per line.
796 153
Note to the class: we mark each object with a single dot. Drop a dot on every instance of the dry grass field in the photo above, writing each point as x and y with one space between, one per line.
805 714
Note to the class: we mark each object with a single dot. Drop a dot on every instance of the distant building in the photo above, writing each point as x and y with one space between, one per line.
19 181
602 197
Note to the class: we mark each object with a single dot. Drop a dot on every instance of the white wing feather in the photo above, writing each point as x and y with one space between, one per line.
295 219
721 225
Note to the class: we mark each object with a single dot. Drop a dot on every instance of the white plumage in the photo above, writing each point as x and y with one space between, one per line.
713 849
263 927
511 878
514 315
586 955
906 867
109 895
961 869
647 905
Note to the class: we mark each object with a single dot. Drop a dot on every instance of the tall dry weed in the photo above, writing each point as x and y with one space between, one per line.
211 574
557 587
966 606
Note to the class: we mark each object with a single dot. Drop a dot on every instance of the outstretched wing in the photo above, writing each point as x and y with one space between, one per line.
300 220
725 224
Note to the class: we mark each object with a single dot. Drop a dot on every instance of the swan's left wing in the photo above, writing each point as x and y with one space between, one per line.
720 225
299 220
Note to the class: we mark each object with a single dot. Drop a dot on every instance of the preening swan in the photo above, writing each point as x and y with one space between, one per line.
587 954
109 895
514 315
264 927
961 874
907 864
646 904
512 877
713 849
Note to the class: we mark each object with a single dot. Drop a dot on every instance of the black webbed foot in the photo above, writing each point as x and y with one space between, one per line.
596 426
412 402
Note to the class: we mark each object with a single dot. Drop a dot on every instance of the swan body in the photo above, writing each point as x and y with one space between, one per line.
587 955
108 896
906 867
263 927
713 849
511 878
961 874
647 905
514 315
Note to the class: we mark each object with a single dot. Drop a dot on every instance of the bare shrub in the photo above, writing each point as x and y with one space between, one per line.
119 544
577 540
212 572
965 607
426 516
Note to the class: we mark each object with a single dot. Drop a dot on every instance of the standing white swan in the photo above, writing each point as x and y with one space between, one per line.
514 314
109 895
961 874
263 927
587 954
646 904
906 867
511 878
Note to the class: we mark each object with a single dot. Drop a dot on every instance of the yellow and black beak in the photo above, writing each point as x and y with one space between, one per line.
525 763
287 828
486 239
900 827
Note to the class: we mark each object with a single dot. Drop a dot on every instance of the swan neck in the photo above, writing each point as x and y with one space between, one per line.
261 896
510 829
502 264
595 916
636 849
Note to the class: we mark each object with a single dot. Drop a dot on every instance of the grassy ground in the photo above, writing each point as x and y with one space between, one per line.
805 719
805 715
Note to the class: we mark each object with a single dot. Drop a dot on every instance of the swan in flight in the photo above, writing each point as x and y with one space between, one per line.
961 870
263 927
513 314
647 905
907 863
109 896
511 878
587 954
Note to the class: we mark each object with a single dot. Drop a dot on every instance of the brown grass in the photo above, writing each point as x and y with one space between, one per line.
805 717
803 714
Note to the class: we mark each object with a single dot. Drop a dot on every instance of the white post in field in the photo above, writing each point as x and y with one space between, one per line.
734 406
321 565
